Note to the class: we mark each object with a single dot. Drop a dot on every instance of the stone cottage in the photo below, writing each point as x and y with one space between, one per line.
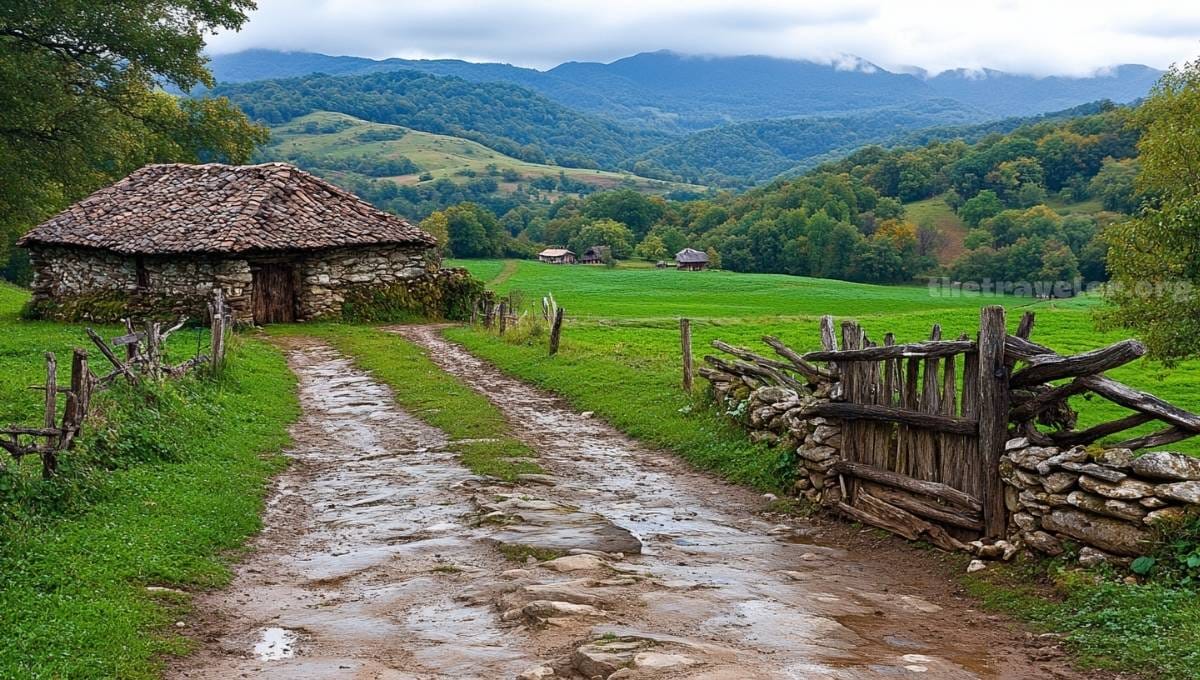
283 244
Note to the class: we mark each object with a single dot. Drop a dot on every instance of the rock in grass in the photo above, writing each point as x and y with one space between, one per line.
1167 465
976 565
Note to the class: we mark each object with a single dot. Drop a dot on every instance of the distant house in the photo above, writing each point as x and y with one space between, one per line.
596 255
690 259
557 256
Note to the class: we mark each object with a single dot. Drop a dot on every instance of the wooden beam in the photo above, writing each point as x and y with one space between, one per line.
814 373
993 416
685 346
928 421
1019 348
934 489
1160 438
1094 433
1031 407
932 349
1046 367
1140 401
964 519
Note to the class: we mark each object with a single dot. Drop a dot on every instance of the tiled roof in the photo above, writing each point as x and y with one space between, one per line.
691 256
555 252
215 208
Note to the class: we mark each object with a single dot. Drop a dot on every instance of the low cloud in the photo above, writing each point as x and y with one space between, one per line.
1028 36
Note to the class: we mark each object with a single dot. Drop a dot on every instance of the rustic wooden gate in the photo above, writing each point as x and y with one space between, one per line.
924 425
274 293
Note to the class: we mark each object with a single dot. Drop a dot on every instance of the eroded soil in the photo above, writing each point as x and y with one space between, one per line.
382 558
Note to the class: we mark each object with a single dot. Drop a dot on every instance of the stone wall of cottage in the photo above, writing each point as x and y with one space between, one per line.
183 284
326 276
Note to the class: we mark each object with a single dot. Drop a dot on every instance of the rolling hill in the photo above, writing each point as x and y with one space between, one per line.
344 146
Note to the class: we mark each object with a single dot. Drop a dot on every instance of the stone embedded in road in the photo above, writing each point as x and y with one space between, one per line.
576 563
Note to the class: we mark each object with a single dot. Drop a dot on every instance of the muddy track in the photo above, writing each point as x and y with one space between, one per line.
738 596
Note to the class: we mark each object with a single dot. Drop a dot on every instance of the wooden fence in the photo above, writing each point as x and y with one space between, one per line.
144 359
501 315
924 424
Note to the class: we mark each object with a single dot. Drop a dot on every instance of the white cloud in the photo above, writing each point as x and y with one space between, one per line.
1029 36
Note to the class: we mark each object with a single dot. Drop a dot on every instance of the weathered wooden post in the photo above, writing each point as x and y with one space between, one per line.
153 357
489 310
556 331
993 415
49 459
685 341
216 313
503 316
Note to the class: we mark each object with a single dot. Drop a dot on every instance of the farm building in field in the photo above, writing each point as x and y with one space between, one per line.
281 243
690 259
557 256
596 255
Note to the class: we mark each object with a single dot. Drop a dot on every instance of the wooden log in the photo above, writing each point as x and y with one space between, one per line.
919 419
993 416
162 339
955 517
50 416
1097 432
813 373
503 316
871 510
216 312
1025 328
924 350
1046 367
685 345
122 369
829 340
1020 348
937 490
1140 401
1160 438
556 331
1030 407
15 430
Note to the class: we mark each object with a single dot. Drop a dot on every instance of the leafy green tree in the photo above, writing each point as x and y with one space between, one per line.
636 211
473 231
714 258
609 233
652 248
1115 185
1155 257
985 204
79 104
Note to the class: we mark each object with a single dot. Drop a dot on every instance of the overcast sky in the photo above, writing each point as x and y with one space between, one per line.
1028 36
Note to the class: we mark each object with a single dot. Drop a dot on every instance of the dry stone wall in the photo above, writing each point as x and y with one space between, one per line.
326 276
1106 500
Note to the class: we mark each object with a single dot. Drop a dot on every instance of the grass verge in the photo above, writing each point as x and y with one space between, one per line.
161 492
480 434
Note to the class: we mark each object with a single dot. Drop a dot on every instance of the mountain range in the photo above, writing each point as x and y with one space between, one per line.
679 93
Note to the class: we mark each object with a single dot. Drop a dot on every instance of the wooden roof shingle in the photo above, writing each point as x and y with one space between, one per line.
215 208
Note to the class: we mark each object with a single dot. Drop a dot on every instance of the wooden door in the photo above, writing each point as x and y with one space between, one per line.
274 294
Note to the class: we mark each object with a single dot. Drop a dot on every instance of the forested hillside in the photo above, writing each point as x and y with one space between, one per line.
509 119
1035 200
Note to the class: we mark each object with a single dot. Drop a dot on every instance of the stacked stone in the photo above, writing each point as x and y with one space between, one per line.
328 275
1108 501
776 415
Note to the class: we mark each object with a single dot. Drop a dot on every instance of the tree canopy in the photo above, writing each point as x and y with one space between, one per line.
80 104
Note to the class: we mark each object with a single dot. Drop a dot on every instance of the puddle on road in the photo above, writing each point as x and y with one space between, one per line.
275 644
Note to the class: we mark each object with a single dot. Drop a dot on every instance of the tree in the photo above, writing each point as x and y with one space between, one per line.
983 205
80 104
652 248
473 231
1115 187
714 258
438 225
1155 258
609 233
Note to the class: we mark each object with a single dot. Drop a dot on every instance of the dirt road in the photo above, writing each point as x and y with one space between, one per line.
380 560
